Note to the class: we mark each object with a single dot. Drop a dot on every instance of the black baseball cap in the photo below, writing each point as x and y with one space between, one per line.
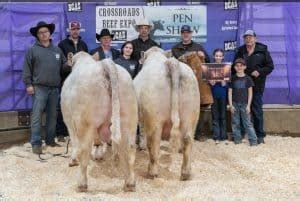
186 28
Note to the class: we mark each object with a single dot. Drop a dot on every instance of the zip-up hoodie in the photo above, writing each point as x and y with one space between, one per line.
43 65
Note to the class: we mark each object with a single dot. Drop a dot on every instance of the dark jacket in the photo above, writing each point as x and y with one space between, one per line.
260 60
67 45
115 52
179 49
130 65
43 65
140 45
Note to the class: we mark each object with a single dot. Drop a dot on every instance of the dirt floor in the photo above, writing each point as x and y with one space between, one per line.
219 172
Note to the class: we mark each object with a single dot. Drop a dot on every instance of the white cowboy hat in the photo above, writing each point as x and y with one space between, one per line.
143 22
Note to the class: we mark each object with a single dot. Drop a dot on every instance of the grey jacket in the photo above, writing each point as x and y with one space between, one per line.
43 65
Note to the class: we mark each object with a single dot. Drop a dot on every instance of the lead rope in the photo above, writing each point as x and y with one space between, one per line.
54 155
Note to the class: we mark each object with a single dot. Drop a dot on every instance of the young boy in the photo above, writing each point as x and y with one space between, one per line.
240 97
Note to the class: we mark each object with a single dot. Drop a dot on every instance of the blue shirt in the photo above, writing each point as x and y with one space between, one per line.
108 54
219 91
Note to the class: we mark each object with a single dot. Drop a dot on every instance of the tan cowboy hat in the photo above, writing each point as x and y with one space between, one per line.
143 22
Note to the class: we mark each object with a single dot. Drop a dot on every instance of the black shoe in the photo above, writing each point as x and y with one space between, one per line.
237 142
252 144
53 144
37 150
61 138
260 140
197 138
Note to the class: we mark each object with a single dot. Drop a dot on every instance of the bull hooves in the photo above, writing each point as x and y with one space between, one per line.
129 187
82 188
73 163
142 148
98 159
152 176
185 177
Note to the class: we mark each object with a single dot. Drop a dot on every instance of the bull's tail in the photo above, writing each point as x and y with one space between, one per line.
112 71
173 67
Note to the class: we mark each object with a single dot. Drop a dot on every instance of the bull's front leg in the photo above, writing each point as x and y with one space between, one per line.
130 178
153 143
186 164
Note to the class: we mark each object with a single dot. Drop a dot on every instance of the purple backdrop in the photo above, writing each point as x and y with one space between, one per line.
275 23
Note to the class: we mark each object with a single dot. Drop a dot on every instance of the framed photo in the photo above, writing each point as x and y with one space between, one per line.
216 71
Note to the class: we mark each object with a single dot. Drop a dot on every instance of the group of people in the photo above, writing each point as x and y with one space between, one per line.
46 66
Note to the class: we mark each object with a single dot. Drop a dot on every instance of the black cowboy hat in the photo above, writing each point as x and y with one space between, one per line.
104 32
34 30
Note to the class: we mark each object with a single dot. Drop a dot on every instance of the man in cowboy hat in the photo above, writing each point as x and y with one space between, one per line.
70 45
41 75
143 42
105 50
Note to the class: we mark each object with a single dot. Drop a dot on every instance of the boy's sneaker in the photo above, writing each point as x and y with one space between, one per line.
252 144
37 150
260 140
237 142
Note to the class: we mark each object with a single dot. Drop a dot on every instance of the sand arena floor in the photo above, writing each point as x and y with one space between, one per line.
219 172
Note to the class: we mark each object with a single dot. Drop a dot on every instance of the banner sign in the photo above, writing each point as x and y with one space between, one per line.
166 21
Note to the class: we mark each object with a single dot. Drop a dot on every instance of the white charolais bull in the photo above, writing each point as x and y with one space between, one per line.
168 99
98 103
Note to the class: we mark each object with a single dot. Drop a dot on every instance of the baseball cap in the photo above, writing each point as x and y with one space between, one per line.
74 25
240 60
186 28
249 33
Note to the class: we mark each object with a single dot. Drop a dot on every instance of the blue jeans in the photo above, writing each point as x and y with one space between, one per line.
239 117
218 111
44 99
61 128
257 114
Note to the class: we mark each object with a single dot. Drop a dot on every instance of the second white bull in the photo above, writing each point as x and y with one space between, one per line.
169 102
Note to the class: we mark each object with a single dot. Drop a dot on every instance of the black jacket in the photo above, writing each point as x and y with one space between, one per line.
130 65
260 60
179 49
67 45
115 52
140 45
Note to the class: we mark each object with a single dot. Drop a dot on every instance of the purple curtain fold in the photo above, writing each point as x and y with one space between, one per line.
291 13
16 20
276 25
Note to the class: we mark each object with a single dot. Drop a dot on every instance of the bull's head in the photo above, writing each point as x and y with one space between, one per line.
194 59
78 56
152 51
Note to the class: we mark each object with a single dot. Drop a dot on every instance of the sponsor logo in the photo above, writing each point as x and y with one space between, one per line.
230 45
230 4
